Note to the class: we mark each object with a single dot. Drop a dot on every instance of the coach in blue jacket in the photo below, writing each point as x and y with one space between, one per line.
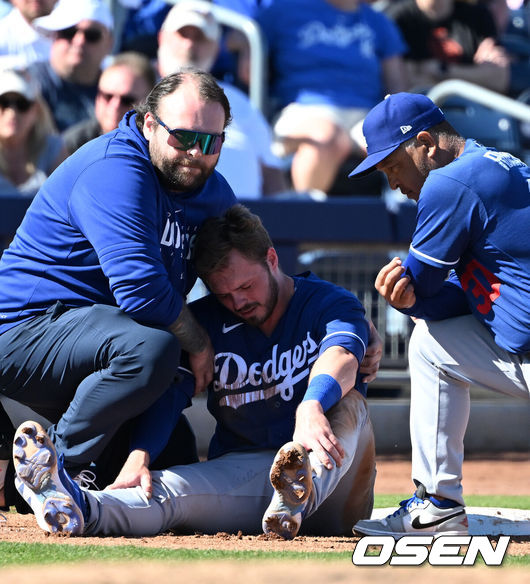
92 288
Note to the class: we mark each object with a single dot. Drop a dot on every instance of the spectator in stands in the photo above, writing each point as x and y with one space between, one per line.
30 148
21 44
82 38
136 24
233 63
332 60
451 39
126 81
516 41
190 36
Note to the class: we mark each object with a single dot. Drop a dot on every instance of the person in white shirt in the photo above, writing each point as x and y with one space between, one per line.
21 44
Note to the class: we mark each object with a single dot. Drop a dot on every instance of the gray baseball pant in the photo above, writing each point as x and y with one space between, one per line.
446 357
232 492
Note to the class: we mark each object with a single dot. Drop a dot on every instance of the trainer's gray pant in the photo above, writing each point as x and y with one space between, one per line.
232 492
447 357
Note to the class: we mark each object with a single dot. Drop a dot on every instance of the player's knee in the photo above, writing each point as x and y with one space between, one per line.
420 341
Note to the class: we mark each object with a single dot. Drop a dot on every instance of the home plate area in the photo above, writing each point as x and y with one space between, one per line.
486 520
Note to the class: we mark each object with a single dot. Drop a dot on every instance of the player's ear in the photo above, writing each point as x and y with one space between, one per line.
272 258
149 125
425 138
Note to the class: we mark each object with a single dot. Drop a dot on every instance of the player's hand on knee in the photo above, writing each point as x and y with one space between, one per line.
135 472
313 431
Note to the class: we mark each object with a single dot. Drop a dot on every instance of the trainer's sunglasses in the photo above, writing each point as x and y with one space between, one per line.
209 143
92 35
20 104
125 100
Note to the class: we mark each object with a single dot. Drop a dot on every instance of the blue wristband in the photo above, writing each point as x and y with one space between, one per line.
325 389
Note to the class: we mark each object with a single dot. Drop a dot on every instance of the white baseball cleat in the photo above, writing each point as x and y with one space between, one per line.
291 477
420 516
56 500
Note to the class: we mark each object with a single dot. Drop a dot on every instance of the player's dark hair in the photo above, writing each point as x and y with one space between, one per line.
237 229
443 129
209 90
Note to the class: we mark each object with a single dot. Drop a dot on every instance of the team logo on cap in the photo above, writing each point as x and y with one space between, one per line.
405 129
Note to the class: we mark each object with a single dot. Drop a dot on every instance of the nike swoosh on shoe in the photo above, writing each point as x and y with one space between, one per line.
416 523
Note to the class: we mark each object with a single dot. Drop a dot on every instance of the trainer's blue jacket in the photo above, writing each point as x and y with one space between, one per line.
103 230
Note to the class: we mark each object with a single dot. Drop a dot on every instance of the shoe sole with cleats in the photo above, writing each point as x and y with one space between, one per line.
39 483
291 477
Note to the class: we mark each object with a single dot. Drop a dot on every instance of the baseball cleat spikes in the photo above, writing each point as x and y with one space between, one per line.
291 477
57 502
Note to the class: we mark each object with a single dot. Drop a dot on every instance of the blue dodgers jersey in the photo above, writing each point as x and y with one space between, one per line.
474 217
258 380
321 54
102 229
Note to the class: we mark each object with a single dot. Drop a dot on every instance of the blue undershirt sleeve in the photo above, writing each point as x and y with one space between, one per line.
437 298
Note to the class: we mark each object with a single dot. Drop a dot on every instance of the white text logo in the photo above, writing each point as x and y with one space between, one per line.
413 550
277 375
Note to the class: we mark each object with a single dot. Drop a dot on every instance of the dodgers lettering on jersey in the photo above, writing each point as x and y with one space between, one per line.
103 230
473 216
259 381
279 374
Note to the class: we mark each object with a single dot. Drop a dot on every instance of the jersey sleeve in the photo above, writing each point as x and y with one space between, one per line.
449 217
114 205
342 323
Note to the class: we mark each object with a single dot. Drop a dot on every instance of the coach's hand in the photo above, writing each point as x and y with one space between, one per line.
395 288
313 431
135 472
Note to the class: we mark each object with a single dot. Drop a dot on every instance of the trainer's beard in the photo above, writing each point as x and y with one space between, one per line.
173 173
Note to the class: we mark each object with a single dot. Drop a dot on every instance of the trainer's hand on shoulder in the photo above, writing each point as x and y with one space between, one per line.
313 431
201 364
394 287
372 357
135 472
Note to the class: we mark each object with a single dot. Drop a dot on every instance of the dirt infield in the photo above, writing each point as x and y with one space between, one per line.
506 474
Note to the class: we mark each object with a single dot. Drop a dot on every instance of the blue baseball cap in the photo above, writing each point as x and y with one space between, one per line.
395 120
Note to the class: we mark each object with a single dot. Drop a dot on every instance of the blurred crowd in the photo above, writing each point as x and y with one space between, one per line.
70 70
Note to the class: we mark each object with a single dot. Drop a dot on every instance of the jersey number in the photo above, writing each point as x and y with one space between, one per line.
469 279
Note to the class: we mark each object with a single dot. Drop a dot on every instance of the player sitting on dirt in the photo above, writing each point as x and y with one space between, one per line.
287 353
473 219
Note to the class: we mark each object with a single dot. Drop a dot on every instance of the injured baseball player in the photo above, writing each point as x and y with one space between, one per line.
466 282
293 440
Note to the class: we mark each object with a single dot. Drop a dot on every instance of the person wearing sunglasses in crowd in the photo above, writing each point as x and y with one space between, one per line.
93 313
30 147
126 81
82 37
